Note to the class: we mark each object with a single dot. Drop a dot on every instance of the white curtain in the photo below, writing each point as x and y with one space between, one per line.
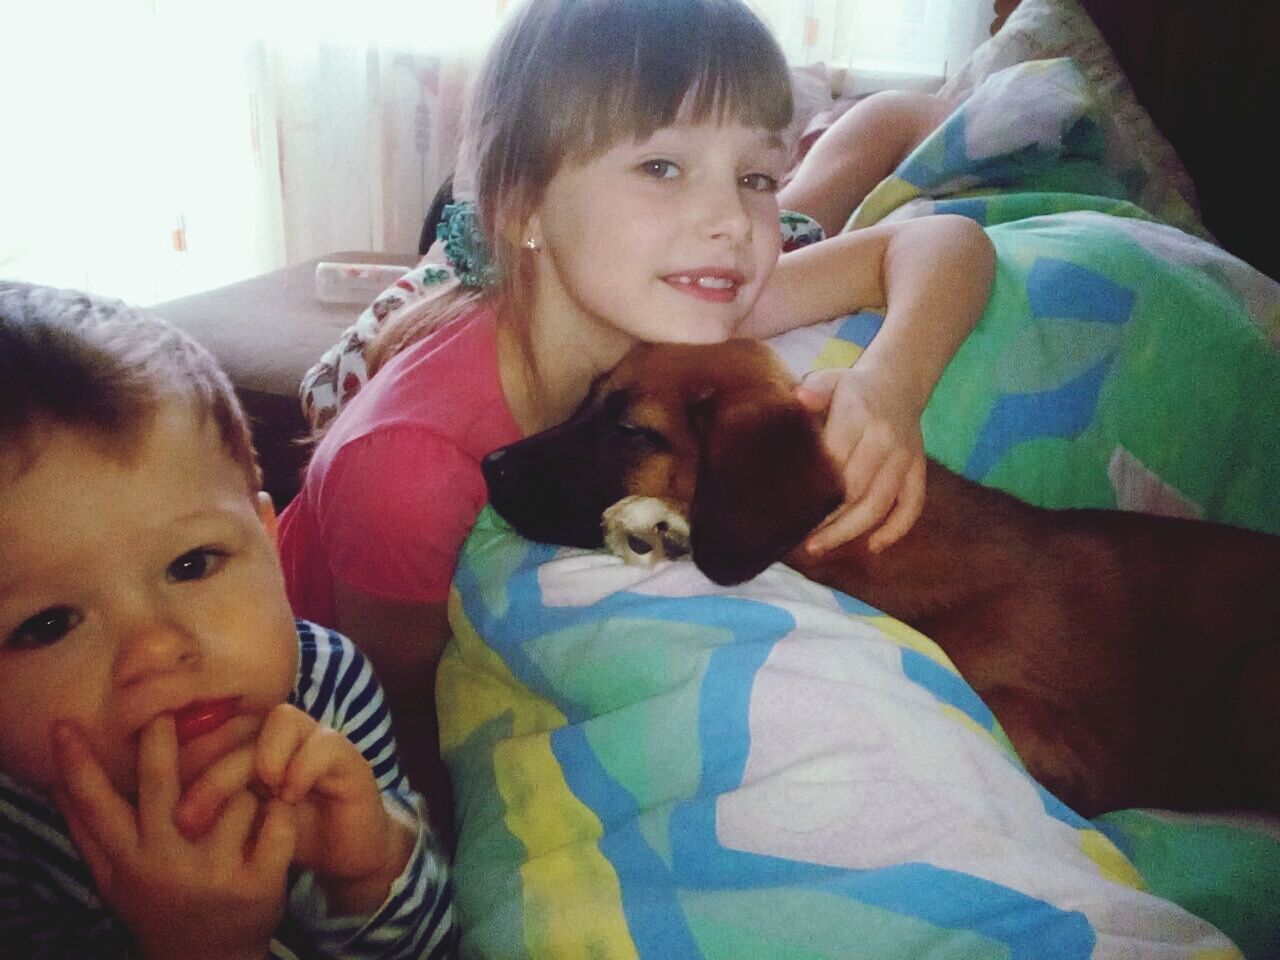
153 148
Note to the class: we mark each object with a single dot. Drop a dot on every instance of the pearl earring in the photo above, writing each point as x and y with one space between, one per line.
532 245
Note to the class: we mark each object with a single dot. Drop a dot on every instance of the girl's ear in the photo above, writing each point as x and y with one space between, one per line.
267 514
764 481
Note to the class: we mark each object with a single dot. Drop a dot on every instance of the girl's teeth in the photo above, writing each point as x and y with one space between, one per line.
712 283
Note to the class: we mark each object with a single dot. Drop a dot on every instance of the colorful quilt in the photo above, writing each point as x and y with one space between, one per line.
648 765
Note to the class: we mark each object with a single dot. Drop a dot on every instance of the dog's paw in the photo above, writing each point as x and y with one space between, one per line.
644 530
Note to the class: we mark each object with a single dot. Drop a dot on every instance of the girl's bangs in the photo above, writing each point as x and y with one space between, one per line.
679 62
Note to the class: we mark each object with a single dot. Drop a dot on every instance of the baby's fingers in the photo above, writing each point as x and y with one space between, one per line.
276 841
326 760
218 783
229 838
92 852
101 814
158 787
283 735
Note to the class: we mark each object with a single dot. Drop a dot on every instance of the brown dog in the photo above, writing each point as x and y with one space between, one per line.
1132 660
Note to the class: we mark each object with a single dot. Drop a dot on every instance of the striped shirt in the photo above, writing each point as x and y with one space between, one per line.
49 907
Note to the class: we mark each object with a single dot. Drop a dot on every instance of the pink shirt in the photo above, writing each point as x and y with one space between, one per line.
394 487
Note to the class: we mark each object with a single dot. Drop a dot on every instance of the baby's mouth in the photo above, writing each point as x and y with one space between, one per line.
203 716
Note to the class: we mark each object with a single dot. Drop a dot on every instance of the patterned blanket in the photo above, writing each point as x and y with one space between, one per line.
648 765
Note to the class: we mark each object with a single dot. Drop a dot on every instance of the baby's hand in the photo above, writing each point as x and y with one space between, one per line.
873 433
346 833
219 895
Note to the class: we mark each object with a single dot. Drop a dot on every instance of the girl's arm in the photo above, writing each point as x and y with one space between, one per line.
932 277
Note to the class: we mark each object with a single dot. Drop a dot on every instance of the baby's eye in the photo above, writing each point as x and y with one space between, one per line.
196 564
45 628
661 169
761 182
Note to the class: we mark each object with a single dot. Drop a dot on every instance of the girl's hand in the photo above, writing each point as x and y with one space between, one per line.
873 433
218 896
346 833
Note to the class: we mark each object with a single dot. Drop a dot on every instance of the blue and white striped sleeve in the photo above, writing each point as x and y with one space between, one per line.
338 688
49 909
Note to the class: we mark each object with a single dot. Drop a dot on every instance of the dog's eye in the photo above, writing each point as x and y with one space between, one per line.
635 433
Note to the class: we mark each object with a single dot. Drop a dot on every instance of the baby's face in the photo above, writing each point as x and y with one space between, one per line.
133 589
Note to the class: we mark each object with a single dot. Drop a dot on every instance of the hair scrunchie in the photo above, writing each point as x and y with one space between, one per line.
464 245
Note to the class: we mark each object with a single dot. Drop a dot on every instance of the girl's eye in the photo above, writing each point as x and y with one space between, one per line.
761 182
196 564
661 169
45 628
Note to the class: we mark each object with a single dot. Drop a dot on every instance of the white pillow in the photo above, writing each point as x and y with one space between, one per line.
1046 29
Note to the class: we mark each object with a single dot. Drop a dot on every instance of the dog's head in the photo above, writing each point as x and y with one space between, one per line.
714 429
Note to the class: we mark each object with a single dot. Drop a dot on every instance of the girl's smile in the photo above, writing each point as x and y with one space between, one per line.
709 283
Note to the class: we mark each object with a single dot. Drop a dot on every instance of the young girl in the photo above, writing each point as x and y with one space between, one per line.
627 157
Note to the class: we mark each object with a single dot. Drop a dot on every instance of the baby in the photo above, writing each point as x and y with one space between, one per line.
185 770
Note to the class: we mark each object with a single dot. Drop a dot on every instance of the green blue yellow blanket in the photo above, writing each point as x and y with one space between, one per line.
648 765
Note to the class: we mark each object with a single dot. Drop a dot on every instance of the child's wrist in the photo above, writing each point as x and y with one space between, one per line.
910 387
361 896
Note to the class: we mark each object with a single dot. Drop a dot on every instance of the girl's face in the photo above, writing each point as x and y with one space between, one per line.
666 239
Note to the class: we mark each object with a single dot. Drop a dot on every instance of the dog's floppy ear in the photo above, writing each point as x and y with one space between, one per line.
764 481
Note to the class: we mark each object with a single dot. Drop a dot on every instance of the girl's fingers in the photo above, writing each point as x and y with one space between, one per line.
101 812
158 786
204 798
861 516
905 512
815 389
875 452
283 733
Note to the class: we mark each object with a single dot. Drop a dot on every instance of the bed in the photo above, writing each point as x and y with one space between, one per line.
648 765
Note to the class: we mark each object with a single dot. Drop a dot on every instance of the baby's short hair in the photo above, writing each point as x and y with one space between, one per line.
70 359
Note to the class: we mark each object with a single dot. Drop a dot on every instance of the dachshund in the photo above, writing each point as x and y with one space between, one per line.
1132 660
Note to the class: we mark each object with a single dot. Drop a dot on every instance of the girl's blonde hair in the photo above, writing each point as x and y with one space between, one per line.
568 79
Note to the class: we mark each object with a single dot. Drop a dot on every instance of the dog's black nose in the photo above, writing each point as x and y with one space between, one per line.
494 465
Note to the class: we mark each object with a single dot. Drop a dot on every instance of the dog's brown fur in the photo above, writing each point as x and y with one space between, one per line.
1132 660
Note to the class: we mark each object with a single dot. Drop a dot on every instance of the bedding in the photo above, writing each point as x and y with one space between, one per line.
1052 29
648 765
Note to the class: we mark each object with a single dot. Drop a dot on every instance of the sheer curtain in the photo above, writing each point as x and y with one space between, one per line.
154 148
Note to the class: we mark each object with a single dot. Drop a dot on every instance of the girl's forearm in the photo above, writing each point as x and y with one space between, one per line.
938 273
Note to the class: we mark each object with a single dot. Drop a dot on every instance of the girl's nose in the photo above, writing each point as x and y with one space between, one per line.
154 644
725 215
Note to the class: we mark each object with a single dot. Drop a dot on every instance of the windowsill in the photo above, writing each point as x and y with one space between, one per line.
870 76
